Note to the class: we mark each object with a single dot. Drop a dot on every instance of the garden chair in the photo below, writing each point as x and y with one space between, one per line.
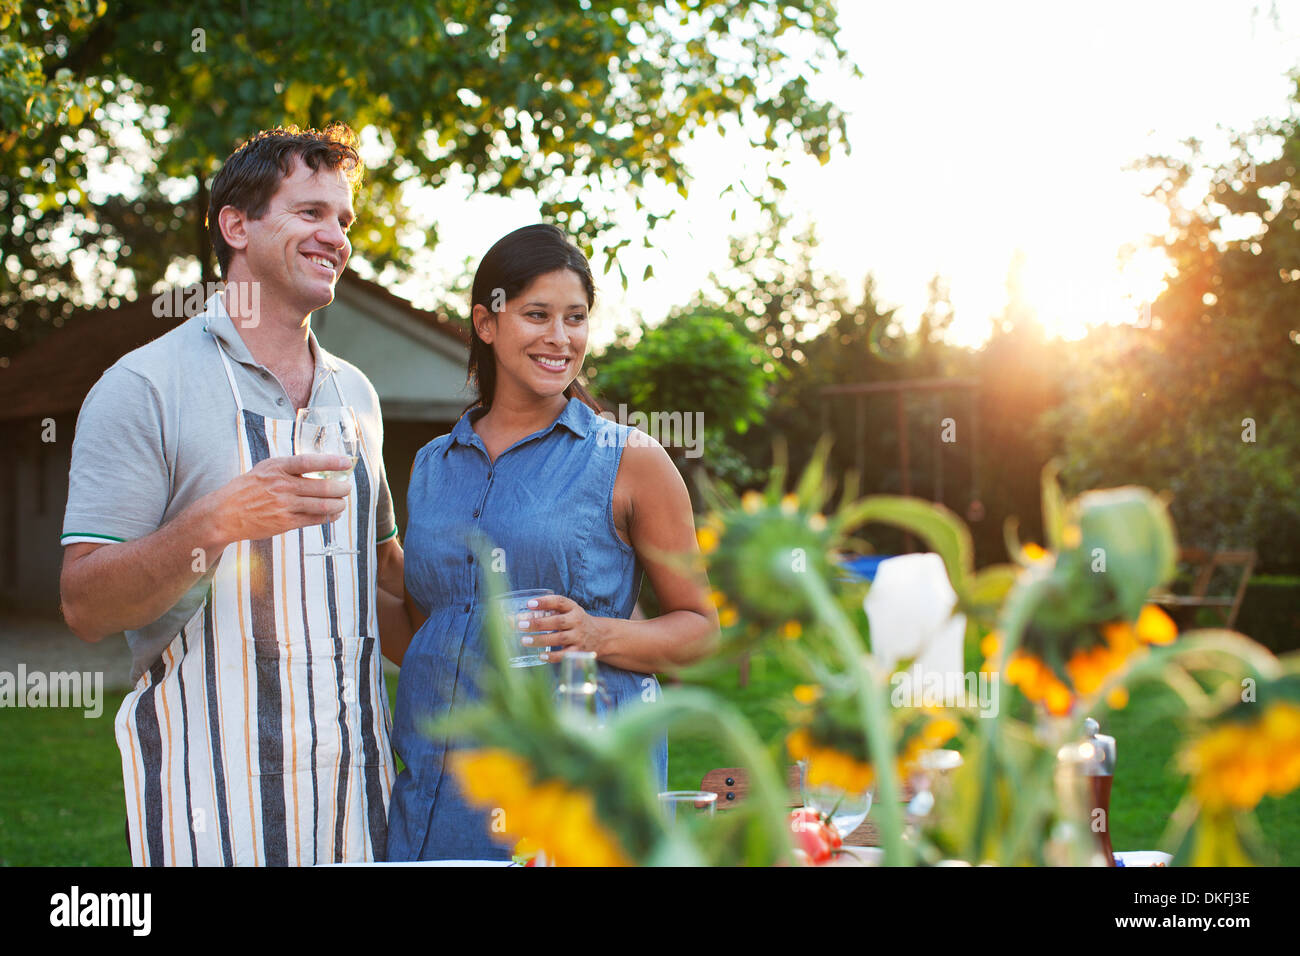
1203 565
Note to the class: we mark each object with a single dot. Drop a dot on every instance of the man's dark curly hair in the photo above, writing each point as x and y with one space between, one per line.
251 175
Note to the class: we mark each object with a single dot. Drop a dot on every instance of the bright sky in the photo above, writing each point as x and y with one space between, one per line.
980 132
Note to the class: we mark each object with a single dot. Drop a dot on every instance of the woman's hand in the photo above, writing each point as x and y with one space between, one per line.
571 627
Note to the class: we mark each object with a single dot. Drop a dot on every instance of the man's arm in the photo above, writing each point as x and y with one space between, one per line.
106 588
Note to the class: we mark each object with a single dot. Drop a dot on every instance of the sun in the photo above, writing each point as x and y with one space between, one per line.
1073 290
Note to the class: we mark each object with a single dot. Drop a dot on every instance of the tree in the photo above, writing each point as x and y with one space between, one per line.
693 364
1201 397
772 289
988 444
566 101
30 92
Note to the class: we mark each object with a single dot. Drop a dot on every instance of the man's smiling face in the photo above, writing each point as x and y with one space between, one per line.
297 250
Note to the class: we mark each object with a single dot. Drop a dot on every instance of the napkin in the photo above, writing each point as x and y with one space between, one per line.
910 609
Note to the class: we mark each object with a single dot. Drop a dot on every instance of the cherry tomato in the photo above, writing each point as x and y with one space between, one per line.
811 836
833 835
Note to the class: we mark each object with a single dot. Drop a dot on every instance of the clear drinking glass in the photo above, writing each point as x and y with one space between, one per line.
328 430
700 802
511 606
579 687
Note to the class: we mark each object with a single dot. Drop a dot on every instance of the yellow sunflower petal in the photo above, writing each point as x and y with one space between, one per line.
1057 699
807 693
1154 626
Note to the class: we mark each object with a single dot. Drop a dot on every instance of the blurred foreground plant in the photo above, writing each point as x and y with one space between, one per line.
1068 625
585 796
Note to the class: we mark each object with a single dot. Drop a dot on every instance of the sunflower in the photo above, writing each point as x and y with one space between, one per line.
836 750
540 815
1091 662
1236 764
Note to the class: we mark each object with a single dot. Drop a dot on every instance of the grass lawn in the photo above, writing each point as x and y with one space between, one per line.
61 796
62 803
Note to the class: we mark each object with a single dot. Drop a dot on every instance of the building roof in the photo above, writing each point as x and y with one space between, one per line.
53 376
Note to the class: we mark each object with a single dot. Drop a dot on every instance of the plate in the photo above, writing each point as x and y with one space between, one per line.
1143 858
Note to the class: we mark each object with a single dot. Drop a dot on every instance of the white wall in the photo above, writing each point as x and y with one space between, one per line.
418 372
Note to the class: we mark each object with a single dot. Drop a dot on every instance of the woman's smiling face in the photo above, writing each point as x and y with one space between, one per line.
539 338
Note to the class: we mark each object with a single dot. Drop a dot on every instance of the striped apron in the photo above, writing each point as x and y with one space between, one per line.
261 736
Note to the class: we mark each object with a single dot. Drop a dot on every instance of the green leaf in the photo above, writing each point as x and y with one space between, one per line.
1053 507
942 530
989 587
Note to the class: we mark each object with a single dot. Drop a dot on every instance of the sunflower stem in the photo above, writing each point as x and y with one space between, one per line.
871 711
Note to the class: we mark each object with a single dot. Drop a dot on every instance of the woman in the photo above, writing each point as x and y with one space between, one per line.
572 503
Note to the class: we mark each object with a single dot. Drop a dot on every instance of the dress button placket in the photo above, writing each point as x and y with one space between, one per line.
469 558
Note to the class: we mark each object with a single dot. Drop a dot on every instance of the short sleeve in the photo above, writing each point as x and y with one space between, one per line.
119 481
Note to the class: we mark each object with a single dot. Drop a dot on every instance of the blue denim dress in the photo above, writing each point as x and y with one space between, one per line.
547 502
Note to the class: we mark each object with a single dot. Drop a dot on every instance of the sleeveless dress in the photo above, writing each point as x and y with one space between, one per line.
547 504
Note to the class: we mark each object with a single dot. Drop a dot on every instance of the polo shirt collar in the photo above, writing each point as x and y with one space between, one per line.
577 417
218 321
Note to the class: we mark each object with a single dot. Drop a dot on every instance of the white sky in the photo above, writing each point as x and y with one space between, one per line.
979 130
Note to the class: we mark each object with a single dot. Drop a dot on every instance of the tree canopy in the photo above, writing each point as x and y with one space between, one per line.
570 102
1203 399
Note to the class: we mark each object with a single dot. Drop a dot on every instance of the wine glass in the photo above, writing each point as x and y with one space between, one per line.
328 430
845 810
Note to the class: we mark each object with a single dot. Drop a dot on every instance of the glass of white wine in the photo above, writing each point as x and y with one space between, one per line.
328 430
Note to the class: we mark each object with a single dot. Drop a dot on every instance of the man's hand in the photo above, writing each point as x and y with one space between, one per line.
274 497
112 587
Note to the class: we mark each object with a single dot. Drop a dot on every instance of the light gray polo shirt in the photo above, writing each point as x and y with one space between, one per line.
158 431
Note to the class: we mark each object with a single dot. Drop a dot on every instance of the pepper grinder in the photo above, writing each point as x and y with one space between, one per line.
1098 765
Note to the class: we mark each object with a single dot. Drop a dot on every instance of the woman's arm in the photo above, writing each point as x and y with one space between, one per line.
652 501
399 618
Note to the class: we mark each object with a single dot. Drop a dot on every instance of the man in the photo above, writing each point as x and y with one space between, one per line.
257 731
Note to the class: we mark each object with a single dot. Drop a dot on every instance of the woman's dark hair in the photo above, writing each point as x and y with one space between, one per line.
509 267
250 176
